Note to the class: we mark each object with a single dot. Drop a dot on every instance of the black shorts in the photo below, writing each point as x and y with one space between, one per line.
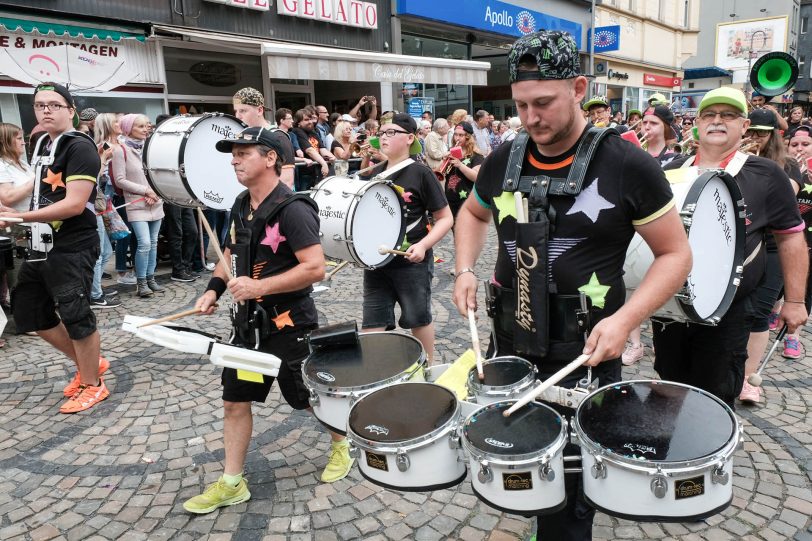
292 351
61 284
408 285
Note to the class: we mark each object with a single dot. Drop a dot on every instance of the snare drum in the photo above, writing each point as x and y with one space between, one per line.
337 376
185 169
356 217
712 211
657 451
506 378
405 437
517 462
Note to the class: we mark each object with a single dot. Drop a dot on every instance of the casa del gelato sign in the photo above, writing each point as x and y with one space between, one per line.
344 12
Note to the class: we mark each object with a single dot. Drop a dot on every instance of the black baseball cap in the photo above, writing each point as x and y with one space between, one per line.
762 119
251 136
554 52
467 128
662 112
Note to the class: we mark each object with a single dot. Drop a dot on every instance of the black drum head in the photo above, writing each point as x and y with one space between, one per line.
502 371
532 428
656 421
377 357
402 412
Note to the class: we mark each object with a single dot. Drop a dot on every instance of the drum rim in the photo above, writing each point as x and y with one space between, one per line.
474 387
451 425
475 453
347 392
591 447
686 304
193 201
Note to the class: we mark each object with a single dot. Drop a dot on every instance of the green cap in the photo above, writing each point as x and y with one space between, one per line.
597 100
635 112
657 99
726 95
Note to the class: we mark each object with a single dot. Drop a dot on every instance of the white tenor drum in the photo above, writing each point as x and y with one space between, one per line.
337 376
657 451
506 378
712 211
405 437
517 462
357 217
184 168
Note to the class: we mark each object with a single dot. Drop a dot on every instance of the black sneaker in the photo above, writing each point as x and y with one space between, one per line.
104 302
110 292
183 276
107 276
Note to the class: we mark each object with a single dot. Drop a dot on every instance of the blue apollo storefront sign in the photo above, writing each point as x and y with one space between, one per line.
488 15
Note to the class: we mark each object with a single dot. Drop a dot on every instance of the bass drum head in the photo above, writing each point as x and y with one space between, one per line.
403 412
713 239
655 421
377 358
533 428
377 220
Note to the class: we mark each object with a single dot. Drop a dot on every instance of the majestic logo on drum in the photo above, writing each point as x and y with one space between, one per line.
327 212
326 376
721 208
376 429
526 260
377 461
688 488
497 443
517 481
383 201
212 196
225 131
639 448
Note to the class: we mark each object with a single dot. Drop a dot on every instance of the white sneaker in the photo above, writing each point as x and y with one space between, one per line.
632 354
127 279
210 266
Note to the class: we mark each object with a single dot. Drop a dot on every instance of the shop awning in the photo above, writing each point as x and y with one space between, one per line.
706 73
69 30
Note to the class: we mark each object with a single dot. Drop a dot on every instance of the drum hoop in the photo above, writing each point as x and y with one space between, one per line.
347 392
476 387
523 459
413 444
594 448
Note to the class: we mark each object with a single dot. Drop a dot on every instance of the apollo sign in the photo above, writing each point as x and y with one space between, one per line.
345 12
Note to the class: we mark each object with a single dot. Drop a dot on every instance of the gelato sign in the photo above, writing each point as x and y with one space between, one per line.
344 12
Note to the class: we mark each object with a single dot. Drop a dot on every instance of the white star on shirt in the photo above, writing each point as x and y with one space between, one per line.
590 202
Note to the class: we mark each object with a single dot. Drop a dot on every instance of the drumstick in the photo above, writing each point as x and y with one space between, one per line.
517 199
475 342
11 219
216 244
384 250
534 393
173 317
754 379
329 275
120 206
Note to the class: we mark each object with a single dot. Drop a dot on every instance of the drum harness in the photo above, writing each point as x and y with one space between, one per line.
250 321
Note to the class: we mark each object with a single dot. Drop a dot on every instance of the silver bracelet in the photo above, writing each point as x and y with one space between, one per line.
463 271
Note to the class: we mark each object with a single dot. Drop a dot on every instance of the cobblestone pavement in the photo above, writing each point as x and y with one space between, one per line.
123 469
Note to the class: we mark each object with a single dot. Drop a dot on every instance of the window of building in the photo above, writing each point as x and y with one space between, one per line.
804 22
686 13
801 60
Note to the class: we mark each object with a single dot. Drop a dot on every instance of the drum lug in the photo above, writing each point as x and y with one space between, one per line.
454 439
546 472
402 460
659 485
719 476
598 469
484 475
314 399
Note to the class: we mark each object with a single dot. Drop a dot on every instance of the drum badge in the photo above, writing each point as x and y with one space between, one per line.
212 196
497 443
326 376
636 448
376 429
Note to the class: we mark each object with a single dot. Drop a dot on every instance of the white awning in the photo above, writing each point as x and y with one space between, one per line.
295 61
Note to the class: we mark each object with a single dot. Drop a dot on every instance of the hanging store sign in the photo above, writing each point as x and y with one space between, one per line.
661 80
259 5
344 12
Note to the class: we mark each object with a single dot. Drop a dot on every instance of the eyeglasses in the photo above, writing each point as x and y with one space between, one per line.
50 106
391 132
761 134
727 116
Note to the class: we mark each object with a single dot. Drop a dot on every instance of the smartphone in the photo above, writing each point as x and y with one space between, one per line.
695 132
106 146
375 143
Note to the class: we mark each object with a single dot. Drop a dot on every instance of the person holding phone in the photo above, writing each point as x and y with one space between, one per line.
366 108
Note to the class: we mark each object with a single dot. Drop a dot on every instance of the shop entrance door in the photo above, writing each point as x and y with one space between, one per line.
292 100
292 94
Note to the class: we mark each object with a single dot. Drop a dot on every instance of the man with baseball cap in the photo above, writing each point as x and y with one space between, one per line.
600 114
276 253
406 280
52 296
713 357
565 252
760 101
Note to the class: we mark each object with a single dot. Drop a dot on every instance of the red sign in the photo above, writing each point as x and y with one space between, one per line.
661 80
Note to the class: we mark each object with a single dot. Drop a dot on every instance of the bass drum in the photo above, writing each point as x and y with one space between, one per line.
712 211
183 167
357 217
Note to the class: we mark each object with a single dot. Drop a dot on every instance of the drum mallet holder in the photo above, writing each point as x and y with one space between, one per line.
532 394
383 250
755 378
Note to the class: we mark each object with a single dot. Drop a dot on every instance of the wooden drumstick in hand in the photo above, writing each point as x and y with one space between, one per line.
172 317
384 250
11 219
475 343
216 244
329 276
535 392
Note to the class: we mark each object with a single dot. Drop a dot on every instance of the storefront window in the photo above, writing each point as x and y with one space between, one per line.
443 98
631 99
191 72
435 48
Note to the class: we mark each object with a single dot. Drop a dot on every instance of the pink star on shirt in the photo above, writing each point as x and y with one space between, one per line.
407 197
272 237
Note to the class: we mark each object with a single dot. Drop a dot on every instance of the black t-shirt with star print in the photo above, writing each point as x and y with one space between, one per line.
457 185
805 206
623 187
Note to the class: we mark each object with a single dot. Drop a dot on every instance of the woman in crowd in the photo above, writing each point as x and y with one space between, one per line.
16 185
436 148
795 119
460 180
459 115
343 139
144 208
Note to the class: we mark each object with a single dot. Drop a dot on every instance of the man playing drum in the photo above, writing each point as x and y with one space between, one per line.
713 358
582 251
276 254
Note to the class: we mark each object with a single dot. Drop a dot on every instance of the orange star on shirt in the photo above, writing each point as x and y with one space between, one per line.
283 320
54 179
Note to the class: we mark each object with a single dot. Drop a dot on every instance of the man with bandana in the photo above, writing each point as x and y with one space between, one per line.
623 192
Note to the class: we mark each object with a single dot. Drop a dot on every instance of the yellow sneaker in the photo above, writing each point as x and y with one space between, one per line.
339 464
218 494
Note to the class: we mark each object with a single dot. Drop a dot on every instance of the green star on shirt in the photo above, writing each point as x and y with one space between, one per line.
595 291
463 194
807 188
506 205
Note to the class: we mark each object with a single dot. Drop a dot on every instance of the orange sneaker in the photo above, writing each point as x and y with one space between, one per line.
71 388
85 398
